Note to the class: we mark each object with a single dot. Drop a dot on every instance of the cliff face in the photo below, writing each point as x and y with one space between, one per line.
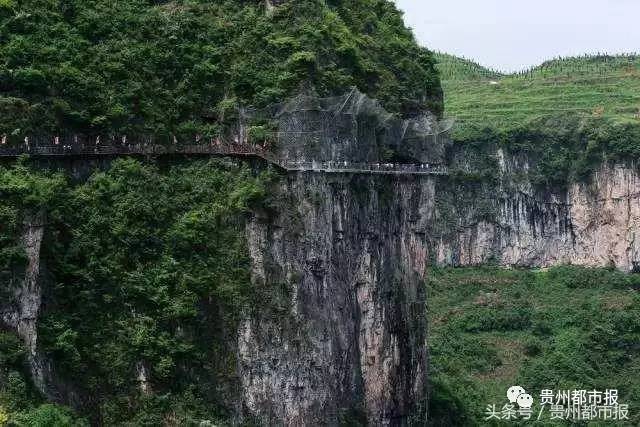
351 252
592 223
351 128
21 313
606 219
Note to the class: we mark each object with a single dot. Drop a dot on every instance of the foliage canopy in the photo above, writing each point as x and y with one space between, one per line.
158 67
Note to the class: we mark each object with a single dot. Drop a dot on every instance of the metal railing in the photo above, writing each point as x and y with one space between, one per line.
381 168
79 147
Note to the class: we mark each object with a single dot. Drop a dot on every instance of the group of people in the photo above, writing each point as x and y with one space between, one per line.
329 165
123 145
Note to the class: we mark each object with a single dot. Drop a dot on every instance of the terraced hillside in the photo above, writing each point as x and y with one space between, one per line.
591 87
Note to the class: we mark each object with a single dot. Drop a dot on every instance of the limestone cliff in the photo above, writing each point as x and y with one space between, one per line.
590 223
21 313
342 258
351 252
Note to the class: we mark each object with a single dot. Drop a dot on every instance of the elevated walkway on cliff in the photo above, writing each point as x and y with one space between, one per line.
74 148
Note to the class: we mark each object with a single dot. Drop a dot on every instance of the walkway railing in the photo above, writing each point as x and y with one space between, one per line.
381 168
70 147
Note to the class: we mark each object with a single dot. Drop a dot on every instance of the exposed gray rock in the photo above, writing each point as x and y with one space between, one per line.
351 251
350 128
592 223
340 260
21 314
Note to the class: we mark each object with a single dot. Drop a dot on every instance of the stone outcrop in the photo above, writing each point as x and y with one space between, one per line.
348 253
351 252
340 260
594 223
21 312
350 128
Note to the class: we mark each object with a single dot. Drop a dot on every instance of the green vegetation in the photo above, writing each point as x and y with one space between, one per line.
455 68
181 67
148 272
23 192
565 328
599 87
568 115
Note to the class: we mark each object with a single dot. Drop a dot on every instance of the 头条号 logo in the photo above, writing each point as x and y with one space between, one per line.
571 405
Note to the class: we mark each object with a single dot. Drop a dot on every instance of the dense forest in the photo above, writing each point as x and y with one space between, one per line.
146 267
180 67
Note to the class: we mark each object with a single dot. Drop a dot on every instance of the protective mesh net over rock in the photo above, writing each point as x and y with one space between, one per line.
343 133
351 127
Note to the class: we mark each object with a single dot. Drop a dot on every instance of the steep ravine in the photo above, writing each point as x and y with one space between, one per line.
348 254
352 250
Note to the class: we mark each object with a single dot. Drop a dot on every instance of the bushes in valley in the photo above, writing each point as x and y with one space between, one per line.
581 278
495 319
582 331
47 415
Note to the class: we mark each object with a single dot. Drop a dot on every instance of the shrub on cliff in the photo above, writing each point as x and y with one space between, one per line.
152 274
47 415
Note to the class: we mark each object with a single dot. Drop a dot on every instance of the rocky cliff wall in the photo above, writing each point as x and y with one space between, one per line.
21 312
346 255
351 250
590 223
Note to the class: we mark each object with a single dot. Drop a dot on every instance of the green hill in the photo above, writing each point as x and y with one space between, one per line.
455 68
606 87
562 328
160 67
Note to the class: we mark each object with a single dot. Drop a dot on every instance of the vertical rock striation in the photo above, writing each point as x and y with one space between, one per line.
339 260
21 314
350 253
347 254
594 223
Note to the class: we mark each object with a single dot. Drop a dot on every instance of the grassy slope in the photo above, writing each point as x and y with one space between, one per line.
562 329
607 87
567 328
